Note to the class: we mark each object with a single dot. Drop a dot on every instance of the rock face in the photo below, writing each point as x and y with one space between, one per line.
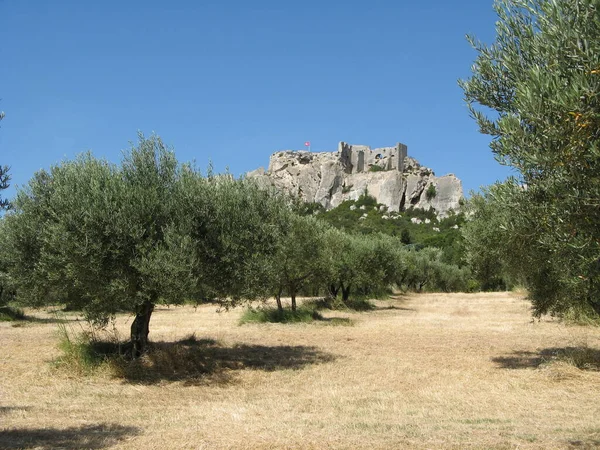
388 174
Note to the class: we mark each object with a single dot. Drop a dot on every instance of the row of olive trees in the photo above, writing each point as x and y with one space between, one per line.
372 264
105 238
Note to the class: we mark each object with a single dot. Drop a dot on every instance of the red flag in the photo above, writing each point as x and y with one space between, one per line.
307 144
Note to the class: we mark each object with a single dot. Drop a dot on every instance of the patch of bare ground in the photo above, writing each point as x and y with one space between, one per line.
419 371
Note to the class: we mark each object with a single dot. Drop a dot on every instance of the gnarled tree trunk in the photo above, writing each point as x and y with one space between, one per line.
140 329
293 295
278 299
345 293
333 291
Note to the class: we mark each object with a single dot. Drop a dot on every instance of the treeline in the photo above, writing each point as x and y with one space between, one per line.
105 238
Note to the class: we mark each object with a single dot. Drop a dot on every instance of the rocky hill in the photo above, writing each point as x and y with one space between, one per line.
388 174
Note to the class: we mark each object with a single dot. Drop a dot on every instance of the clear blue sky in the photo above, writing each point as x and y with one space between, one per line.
232 81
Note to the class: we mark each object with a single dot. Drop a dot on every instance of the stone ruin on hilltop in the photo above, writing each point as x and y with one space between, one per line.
360 158
388 174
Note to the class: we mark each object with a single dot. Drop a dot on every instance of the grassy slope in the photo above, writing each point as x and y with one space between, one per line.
429 371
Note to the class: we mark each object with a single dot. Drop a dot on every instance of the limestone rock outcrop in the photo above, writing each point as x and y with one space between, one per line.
388 174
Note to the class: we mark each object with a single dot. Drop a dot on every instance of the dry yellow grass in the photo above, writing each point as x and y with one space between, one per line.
427 371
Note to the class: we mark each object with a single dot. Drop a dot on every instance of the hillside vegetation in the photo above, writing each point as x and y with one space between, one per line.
417 227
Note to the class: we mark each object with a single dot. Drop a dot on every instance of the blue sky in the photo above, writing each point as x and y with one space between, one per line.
233 81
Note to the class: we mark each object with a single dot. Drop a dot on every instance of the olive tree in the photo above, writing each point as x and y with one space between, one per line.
105 238
493 253
541 79
299 258
366 264
237 228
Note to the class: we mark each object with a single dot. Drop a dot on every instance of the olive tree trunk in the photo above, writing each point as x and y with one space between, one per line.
333 291
293 295
278 299
345 293
140 329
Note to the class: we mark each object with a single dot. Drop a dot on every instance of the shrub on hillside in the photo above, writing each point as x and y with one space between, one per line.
431 192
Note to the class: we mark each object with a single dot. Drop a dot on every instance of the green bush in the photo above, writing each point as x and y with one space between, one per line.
376 168
308 208
431 192
83 353
473 285
304 314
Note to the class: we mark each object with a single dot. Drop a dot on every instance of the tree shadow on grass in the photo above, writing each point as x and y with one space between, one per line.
34 319
393 308
584 358
400 300
202 361
519 360
84 437
337 321
354 305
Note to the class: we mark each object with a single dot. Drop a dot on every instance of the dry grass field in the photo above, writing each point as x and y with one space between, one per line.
421 371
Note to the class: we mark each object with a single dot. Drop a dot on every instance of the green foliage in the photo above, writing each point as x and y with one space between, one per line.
299 255
102 238
82 353
405 237
105 238
451 242
303 314
363 265
7 292
489 247
237 229
308 208
541 80
376 168
349 216
425 270
431 192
